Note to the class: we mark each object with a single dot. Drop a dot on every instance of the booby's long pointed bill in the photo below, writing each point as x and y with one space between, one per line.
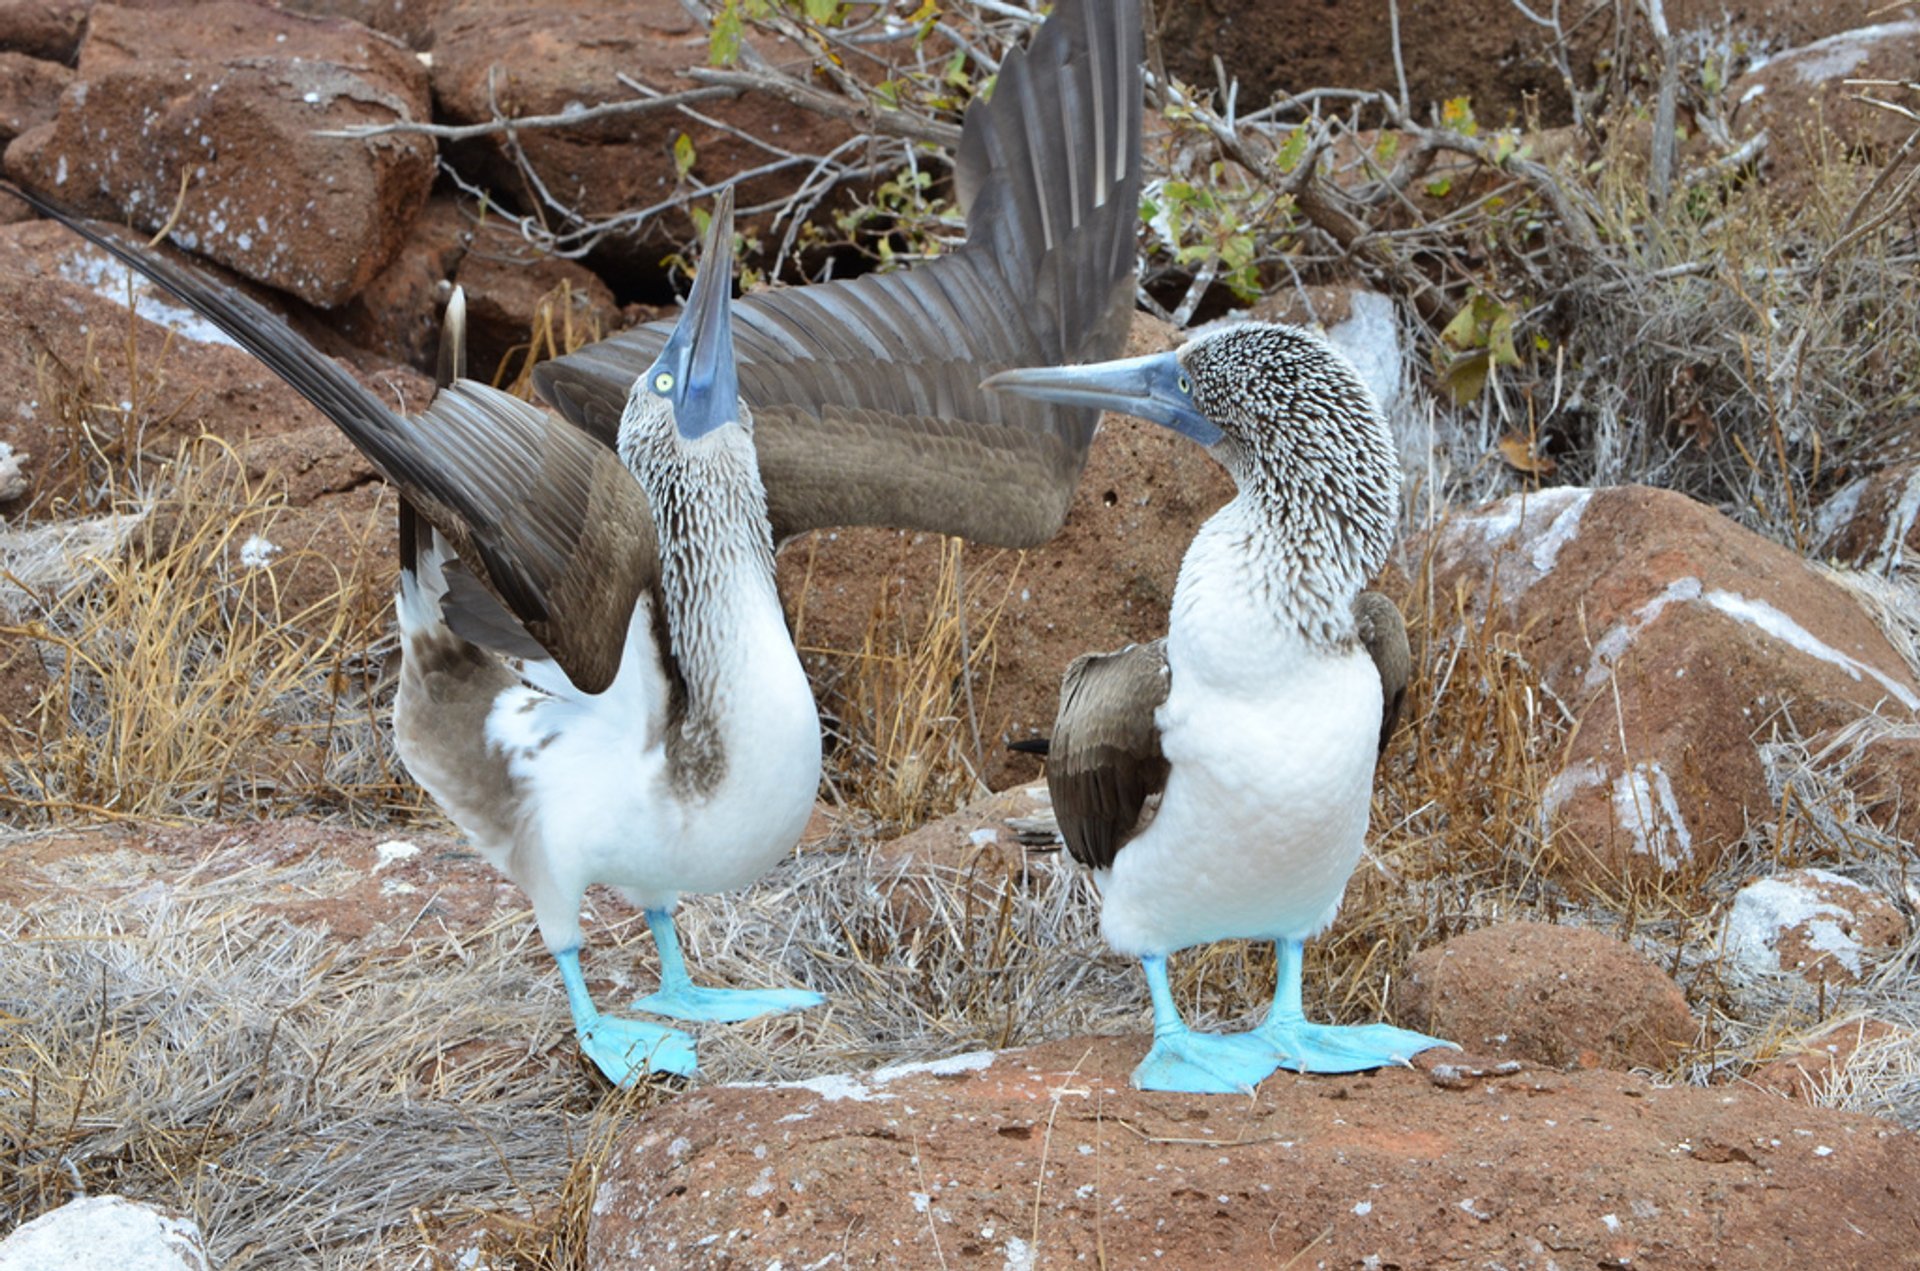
696 368
1154 387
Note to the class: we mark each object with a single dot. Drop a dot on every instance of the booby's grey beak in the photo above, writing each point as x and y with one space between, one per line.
1155 387
695 371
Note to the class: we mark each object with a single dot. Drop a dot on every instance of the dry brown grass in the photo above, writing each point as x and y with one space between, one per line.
909 700
186 685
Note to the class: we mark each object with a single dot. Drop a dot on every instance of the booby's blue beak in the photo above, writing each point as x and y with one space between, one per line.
1155 387
695 370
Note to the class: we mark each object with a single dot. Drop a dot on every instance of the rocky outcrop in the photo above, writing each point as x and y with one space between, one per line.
1676 640
97 1232
226 101
1566 997
1046 1157
1812 923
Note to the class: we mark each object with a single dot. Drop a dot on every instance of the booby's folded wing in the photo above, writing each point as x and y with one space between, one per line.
865 392
1384 633
543 517
1104 764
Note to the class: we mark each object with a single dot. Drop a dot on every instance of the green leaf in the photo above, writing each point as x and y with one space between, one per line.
1466 376
723 42
1293 151
1440 188
683 156
822 11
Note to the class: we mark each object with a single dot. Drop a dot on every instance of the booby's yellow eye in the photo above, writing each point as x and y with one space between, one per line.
663 382
1186 385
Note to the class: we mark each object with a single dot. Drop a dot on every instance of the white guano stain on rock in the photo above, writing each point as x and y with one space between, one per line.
864 1087
1613 642
1644 806
1524 534
1770 620
1838 56
1765 911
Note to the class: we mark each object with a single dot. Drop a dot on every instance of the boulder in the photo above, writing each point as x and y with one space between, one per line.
1813 923
1676 639
1568 997
518 59
29 92
978 851
409 21
65 339
513 291
106 1233
1807 101
1046 1157
396 316
1491 51
1869 523
1816 1068
226 100
46 29
1103 582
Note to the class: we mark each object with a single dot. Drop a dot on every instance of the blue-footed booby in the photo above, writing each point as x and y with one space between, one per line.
1218 781
540 546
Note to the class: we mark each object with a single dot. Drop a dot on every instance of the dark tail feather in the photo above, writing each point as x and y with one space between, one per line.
451 365
1033 746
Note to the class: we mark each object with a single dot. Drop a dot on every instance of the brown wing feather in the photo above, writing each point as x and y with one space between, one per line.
1384 633
1104 763
543 516
866 393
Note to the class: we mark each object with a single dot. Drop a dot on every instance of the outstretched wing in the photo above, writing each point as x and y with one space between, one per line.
542 516
866 393
1104 764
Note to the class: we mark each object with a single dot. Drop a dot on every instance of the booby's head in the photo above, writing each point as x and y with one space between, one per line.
693 381
1284 413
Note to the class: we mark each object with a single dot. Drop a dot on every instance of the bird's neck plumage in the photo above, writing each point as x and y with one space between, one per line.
1316 520
717 607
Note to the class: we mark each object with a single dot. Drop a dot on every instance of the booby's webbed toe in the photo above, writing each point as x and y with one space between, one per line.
1187 1062
1330 1048
628 1049
725 1006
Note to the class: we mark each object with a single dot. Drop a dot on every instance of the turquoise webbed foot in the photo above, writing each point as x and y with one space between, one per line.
1305 1047
1184 1061
1329 1048
628 1049
692 1002
1204 1063
680 998
623 1049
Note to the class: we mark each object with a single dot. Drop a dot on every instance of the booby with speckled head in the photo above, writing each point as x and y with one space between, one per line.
1219 781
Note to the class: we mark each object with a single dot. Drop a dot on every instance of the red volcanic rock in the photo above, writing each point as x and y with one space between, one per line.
29 92
511 291
547 58
1807 101
1813 923
230 97
1678 639
1569 997
1046 1157
48 29
1811 1069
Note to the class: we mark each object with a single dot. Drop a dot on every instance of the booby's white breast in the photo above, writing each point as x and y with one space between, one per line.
602 791
1271 743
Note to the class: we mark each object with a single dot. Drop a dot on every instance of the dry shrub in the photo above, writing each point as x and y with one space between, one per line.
183 684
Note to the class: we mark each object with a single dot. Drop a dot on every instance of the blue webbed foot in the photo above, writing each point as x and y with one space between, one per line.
1195 1063
1204 1063
680 998
624 1049
1305 1047
628 1049
693 1002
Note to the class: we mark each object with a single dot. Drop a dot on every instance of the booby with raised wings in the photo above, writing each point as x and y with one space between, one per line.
1219 781
867 408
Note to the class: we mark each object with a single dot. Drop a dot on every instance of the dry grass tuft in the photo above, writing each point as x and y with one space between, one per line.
909 700
184 684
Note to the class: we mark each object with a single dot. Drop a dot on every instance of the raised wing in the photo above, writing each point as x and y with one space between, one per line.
1104 764
543 517
866 393
1384 633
